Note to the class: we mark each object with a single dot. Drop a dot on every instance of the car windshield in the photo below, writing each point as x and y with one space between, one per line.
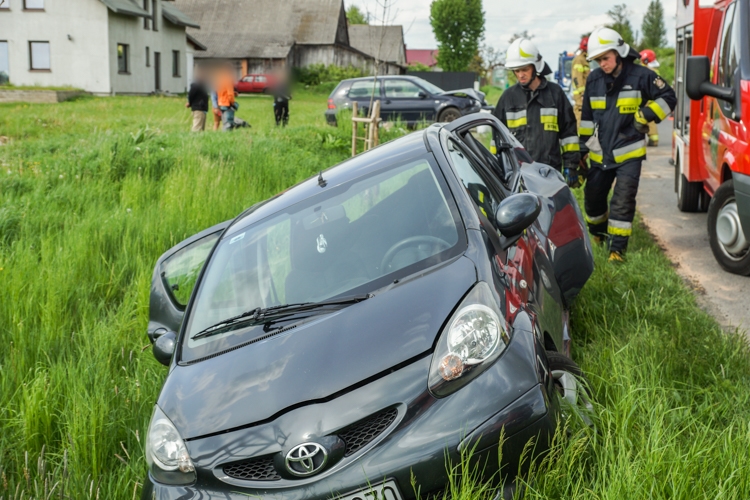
432 89
351 239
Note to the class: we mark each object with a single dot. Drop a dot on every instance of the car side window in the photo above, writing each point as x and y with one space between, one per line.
483 193
484 143
363 89
729 58
396 89
180 270
248 79
260 79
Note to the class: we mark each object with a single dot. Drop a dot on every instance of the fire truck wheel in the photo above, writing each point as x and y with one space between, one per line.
689 194
728 243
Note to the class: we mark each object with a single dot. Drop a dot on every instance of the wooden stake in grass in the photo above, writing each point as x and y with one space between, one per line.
372 135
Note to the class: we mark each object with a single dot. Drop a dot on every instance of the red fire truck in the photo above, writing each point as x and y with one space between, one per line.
710 140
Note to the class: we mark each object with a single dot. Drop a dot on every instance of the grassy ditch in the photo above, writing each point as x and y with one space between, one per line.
93 191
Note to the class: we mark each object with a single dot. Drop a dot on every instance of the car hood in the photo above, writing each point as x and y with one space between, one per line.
315 361
474 94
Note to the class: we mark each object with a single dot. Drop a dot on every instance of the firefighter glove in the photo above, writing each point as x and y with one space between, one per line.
583 167
641 124
571 177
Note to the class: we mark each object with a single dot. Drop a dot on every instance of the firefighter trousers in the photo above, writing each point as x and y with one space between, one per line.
615 221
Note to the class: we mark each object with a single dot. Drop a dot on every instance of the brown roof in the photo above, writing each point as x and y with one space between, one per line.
263 28
385 43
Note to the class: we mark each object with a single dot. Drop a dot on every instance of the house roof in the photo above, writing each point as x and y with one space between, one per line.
126 7
382 42
195 43
422 56
264 29
176 16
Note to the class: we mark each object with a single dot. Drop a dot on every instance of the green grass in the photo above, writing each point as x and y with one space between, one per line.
9 86
92 191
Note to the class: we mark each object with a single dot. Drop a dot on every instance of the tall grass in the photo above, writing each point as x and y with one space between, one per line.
93 191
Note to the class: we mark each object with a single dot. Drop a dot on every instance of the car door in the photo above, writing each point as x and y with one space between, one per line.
407 100
261 83
245 84
174 278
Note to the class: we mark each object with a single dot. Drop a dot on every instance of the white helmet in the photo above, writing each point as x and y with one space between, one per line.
654 64
606 39
522 53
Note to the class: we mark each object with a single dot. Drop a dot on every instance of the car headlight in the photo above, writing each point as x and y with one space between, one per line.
166 454
472 340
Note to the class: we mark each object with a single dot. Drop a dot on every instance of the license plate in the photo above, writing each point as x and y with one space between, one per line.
383 491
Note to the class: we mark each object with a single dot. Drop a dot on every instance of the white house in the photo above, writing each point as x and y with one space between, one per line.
101 46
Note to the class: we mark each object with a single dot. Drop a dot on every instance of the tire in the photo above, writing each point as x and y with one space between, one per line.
448 115
689 194
572 386
728 242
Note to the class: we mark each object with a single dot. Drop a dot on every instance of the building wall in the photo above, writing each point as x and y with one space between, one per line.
142 78
77 33
305 55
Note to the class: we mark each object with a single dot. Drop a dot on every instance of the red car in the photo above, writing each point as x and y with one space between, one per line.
257 84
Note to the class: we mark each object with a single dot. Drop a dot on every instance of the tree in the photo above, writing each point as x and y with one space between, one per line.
486 61
621 23
654 32
459 28
355 16
524 34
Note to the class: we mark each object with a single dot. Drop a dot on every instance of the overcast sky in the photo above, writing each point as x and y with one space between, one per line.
557 25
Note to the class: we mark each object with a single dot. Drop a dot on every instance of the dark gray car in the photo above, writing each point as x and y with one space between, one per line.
364 326
406 98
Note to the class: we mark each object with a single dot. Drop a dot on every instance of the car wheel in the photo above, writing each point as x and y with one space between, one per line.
448 115
689 194
572 386
728 242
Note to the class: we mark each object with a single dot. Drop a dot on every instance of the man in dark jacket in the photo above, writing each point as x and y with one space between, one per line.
281 97
621 98
538 113
198 101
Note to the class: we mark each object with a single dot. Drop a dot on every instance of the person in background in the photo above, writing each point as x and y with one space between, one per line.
215 110
226 98
282 94
198 101
648 58
580 72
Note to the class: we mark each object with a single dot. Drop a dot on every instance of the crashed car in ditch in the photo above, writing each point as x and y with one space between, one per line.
407 98
370 323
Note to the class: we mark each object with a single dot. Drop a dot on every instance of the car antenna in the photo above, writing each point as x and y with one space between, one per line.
321 181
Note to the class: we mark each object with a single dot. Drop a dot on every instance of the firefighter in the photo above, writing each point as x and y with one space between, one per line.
648 58
538 113
579 75
621 98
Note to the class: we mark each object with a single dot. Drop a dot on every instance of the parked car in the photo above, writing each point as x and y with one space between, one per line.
408 98
364 326
254 84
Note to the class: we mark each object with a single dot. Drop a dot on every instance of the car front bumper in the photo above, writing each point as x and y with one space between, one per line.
511 398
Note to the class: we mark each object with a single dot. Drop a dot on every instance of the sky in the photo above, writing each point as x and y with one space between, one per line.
556 24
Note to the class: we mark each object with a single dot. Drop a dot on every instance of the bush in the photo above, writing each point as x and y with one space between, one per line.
315 74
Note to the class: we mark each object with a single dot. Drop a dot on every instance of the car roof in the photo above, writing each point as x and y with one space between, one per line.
384 77
403 148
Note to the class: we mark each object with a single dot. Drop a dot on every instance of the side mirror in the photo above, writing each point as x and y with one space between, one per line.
516 213
422 95
698 81
164 347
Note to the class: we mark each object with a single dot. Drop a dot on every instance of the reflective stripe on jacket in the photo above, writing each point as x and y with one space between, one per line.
543 121
611 104
579 73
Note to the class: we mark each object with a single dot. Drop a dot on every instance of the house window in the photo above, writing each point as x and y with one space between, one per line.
154 15
148 58
4 4
175 63
123 58
146 21
39 58
4 66
33 4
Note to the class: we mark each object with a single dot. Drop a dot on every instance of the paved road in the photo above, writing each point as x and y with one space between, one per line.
685 240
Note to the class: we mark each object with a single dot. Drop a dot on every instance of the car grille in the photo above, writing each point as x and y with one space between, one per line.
254 469
359 434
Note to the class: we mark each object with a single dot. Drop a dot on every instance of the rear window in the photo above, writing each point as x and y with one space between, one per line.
363 88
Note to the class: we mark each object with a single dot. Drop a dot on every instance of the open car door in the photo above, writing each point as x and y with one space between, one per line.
174 278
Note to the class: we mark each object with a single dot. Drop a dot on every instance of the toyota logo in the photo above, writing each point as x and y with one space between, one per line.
306 459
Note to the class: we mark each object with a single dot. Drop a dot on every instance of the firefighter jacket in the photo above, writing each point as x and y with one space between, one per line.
543 121
609 108
579 73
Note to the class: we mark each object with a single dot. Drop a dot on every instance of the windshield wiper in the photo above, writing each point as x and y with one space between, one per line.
260 315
